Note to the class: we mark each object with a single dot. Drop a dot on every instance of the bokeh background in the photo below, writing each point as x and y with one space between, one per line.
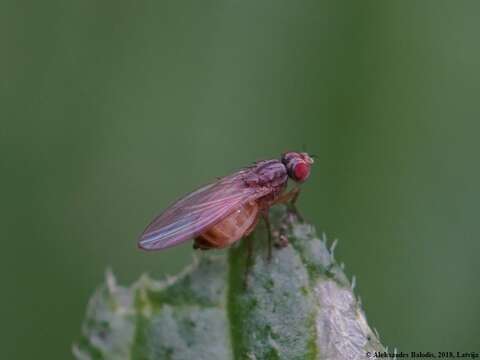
112 109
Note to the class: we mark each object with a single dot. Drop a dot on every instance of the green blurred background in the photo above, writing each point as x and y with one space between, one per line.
112 109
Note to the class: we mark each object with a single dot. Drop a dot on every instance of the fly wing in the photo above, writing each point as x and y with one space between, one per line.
195 212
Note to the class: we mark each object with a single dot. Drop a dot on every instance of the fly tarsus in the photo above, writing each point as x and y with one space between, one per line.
282 241
294 213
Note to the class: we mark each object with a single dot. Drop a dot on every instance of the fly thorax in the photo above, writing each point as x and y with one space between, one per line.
271 173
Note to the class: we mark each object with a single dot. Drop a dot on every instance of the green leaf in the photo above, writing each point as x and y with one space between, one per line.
299 305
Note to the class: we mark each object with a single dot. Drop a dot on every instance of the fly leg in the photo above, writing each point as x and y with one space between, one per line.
290 200
269 232
293 206
249 260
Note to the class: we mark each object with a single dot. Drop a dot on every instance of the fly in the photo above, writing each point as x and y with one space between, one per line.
222 212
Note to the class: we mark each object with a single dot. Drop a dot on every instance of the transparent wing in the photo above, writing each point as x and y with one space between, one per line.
195 212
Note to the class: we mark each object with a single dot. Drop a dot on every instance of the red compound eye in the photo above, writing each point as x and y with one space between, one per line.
301 171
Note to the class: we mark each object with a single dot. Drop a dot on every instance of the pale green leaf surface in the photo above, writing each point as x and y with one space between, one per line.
300 305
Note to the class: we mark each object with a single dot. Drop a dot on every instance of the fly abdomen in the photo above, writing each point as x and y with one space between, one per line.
230 229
